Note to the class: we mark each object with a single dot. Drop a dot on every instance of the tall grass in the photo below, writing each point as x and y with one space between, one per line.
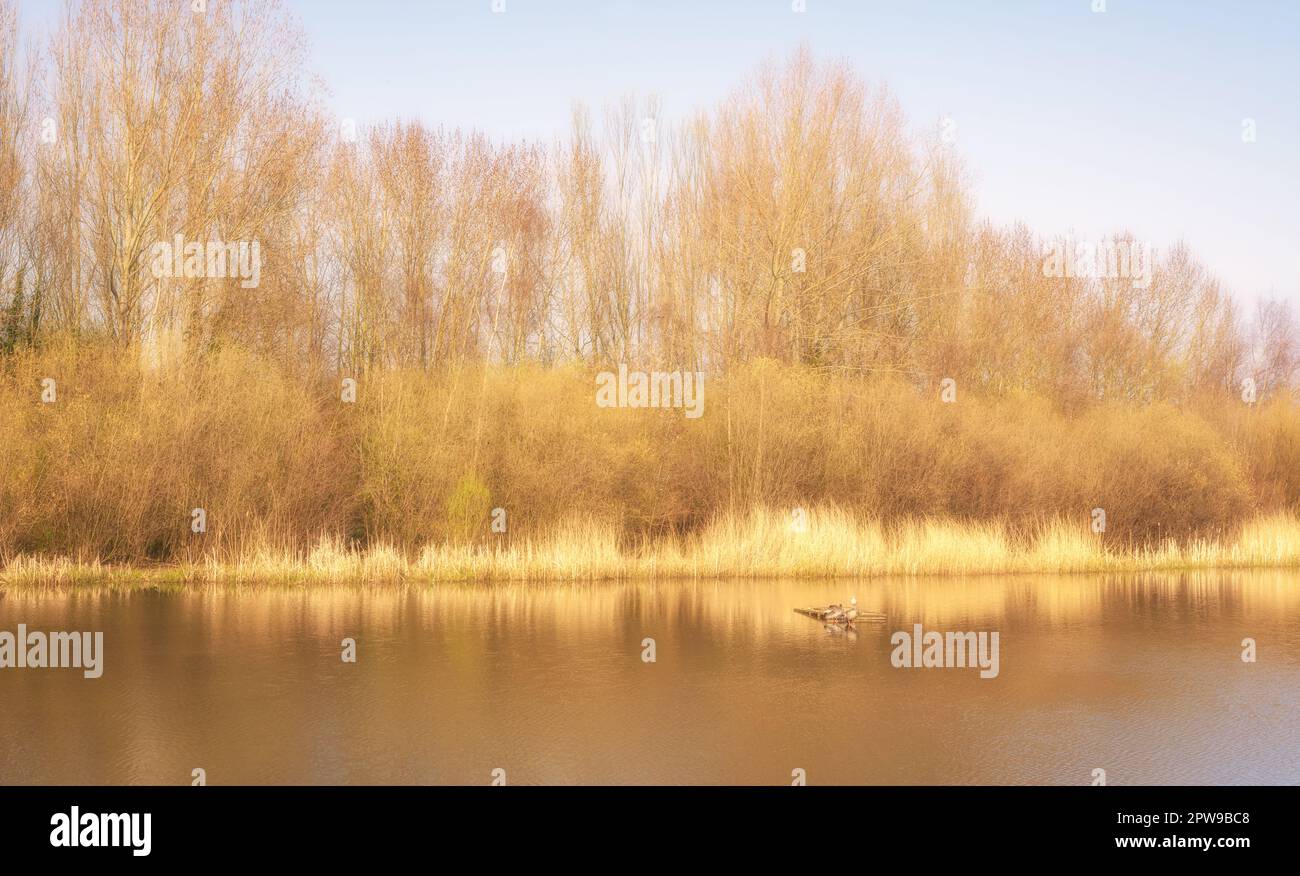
408 479
757 545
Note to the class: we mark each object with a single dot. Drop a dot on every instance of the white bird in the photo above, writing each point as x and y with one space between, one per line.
852 614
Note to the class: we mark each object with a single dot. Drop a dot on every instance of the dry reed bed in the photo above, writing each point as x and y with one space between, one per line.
759 545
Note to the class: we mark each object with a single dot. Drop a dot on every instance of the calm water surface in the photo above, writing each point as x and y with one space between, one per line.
1140 676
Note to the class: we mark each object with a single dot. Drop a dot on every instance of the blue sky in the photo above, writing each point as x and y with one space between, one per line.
1068 119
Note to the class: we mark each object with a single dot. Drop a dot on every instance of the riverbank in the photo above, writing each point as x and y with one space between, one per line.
821 543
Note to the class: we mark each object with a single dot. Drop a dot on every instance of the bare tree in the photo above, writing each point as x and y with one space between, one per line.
1276 358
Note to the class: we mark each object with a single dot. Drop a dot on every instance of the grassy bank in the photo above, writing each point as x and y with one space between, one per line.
761 544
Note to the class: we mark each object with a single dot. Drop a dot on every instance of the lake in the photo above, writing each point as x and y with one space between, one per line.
1141 676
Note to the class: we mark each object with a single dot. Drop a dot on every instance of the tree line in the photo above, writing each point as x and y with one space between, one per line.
801 220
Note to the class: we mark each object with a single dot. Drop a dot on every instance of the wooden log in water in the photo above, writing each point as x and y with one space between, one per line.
817 613
823 614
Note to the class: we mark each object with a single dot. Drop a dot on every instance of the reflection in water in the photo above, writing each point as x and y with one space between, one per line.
1141 676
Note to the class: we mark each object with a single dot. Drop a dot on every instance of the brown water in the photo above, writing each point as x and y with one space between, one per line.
1142 677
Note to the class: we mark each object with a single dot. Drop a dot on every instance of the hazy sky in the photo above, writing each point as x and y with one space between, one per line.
1068 119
